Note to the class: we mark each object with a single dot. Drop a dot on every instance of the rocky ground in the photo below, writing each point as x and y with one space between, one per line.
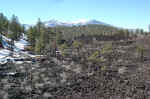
120 76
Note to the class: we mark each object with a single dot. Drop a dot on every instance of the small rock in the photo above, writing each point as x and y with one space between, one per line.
122 70
47 95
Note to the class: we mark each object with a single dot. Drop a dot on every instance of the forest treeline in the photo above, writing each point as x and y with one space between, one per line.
11 28
42 37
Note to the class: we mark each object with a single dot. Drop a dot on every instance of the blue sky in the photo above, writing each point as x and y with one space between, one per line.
121 13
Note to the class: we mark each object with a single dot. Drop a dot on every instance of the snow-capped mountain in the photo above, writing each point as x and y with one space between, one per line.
53 23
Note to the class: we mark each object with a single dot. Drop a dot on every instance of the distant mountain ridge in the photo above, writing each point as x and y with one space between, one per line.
54 23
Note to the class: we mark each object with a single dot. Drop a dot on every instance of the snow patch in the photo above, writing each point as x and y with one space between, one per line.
21 44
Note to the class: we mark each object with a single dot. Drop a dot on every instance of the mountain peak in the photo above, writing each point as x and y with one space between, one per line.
53 23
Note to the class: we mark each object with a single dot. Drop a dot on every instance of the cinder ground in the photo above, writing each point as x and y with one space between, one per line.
121 75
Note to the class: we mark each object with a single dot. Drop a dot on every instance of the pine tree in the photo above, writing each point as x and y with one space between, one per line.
32 36
38 46
14 28
42 41
58 38
3 26
3 23
23 29
39 26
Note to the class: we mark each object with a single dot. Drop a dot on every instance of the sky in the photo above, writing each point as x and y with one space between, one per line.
120 13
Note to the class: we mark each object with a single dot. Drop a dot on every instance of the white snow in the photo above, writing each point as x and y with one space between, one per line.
80 22
4 53
21 44
18 49
83 21
19 62
5 38
18 52
11 73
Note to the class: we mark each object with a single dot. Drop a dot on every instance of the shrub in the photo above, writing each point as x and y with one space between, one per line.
62 48
95 57
107 48
77 44
140 51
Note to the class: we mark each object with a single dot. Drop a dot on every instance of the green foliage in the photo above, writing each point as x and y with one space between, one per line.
3 23
94 56
58 34
107 48
103 68
89 30
1 41
14 28
38 46
38 25
40 37
140 51
23 30
58 38
77 44
42 41
32 35
62 48
140 48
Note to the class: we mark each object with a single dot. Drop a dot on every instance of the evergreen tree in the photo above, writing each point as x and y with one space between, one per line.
39 26
32 35
3 23
23 29
42 41
38 45
14 28
58 38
